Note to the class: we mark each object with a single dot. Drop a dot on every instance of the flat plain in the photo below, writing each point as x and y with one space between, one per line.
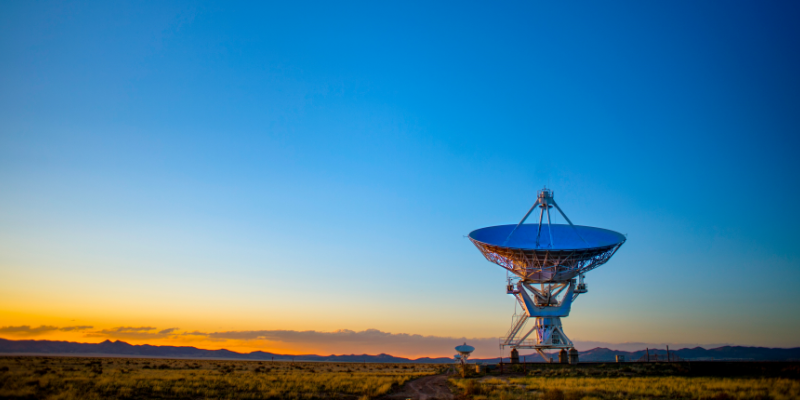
63 378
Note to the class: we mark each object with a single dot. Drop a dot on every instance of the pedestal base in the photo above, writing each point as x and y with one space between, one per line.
546 334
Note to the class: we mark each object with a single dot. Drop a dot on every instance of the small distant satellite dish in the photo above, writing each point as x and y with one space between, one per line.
464 351
464 348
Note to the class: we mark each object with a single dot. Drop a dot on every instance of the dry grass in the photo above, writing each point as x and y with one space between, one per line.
65 378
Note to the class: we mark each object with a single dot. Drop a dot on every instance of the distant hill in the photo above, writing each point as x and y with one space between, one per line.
119 348
599 354
730 353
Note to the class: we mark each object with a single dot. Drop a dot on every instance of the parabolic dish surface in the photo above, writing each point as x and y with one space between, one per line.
465 348
564 237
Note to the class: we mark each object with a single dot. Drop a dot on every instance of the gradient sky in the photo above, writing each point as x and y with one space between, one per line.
236 174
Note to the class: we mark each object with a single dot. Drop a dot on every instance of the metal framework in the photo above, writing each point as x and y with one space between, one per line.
545 280
546 265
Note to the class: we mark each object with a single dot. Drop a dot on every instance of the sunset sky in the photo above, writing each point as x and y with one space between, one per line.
300 177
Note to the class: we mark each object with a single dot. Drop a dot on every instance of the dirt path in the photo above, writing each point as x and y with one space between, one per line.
425 388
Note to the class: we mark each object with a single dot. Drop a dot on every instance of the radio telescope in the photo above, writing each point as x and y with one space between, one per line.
464 351
545 262
462 357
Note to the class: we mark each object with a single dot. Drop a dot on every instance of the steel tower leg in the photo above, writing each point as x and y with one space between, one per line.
546 306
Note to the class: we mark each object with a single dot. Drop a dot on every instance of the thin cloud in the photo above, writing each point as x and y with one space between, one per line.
75 328
136 333
27 330
129 329
194 333
340 336
370 341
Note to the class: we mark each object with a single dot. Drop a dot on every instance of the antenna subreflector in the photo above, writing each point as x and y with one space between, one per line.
545 201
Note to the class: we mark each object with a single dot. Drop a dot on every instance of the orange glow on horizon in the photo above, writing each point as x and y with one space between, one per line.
239 346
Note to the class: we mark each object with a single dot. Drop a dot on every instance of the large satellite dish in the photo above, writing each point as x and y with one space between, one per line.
545 259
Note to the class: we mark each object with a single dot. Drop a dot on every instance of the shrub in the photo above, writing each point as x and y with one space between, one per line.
553 394
472 388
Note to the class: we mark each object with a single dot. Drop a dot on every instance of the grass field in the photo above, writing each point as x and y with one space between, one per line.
642 381
120 378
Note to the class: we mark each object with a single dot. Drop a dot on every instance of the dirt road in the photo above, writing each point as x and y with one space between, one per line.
425 388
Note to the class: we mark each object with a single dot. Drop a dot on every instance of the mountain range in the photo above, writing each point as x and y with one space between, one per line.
599 354
120 348
725 353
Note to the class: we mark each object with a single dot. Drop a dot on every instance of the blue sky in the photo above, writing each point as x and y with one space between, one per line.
316 166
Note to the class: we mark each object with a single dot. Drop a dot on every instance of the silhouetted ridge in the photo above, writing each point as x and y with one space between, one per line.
729 353
120 348
598 354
